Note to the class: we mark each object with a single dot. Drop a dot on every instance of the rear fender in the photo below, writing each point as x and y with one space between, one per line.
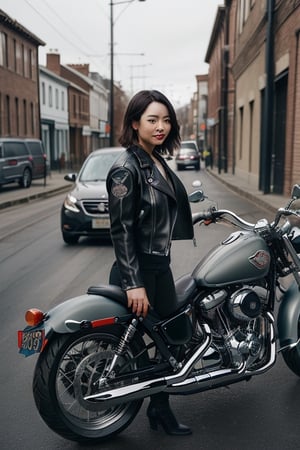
288 317
86 307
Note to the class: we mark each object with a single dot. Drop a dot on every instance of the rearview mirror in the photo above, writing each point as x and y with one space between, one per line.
196 196
296 191
70 177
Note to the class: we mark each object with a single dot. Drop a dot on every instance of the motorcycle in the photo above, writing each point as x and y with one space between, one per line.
98 361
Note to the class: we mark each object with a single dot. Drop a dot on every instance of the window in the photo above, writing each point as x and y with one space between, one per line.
25 116
43 93
32 117
15 55
62 100
50 99
243 13
17 115
251 110
26 63
241 111
3 50
23 60
30 63
7 114
12 149
56 99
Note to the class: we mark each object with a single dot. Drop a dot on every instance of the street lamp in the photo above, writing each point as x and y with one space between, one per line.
111 113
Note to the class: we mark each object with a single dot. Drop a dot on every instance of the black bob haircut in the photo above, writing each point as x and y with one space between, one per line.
136 107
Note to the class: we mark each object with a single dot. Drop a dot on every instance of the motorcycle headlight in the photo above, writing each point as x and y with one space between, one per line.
70 203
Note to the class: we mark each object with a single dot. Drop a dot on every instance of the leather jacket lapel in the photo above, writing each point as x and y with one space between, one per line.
153 177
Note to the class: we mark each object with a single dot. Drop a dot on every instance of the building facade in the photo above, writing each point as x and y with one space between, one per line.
54 118
254 80
19 80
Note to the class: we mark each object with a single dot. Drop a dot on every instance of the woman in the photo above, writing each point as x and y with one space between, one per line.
148 207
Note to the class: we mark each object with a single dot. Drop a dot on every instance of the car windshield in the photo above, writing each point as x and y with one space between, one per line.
188 145
97 167
187 151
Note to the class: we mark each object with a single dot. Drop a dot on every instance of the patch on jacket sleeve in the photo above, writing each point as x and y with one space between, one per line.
120 184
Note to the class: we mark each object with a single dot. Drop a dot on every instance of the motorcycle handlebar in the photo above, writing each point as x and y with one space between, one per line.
213 215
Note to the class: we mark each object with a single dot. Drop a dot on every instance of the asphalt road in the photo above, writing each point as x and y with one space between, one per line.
38 270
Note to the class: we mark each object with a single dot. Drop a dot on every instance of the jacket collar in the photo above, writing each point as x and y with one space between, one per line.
153 177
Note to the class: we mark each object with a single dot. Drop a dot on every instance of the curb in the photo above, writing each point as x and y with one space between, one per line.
27 199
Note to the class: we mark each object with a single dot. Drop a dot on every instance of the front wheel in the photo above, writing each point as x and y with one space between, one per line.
70 239
72 367
292 356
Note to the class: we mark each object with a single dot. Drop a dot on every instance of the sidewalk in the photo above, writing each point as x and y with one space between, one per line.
11 195
271 202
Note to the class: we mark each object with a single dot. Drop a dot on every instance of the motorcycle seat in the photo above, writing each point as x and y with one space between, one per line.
109 290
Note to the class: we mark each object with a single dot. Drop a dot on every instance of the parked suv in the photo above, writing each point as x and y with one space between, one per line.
21 160
38 158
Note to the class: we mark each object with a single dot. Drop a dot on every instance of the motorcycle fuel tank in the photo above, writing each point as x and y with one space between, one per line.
242 257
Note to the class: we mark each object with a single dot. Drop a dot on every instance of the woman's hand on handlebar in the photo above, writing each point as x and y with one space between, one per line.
138 301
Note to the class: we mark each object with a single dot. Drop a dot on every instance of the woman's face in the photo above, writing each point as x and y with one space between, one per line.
153 127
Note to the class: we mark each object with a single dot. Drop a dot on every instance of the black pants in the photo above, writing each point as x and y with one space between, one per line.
159 284
158 281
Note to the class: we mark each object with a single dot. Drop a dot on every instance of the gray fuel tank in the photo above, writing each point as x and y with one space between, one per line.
242 257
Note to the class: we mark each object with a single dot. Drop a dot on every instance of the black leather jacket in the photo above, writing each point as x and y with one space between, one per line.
146 211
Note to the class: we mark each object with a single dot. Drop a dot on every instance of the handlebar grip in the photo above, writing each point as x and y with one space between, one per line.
208 216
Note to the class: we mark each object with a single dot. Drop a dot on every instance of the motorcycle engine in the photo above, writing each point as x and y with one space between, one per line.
245 305
237 323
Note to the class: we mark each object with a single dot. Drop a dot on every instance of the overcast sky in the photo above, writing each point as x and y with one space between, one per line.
158 44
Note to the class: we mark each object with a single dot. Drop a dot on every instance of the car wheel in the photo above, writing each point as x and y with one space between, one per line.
197 167
179 167
70 238
26 179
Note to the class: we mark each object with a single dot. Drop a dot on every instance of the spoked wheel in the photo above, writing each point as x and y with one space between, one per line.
74 367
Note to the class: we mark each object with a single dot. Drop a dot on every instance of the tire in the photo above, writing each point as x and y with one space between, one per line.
70 239
292 356
26 179
69 368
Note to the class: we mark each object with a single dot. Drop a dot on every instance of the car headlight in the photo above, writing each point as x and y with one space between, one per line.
70 203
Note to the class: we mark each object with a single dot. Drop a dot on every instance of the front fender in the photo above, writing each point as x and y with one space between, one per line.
288 316
85 307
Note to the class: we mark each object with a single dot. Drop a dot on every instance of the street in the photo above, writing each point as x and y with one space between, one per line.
38 270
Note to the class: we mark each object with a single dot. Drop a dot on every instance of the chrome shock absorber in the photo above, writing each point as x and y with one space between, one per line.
124 341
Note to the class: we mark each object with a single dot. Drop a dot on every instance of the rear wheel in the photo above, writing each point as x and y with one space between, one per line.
26 179
72 367
292 356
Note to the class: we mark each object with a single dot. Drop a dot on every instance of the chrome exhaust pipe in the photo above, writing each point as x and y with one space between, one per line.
179 383
146 388
203 382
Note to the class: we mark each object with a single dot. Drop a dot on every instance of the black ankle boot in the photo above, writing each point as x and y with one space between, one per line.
160 413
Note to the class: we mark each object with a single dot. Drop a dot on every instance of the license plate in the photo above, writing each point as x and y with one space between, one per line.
31 341
101 223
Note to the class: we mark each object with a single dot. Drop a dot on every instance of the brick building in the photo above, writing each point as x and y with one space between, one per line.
254 89
19 80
